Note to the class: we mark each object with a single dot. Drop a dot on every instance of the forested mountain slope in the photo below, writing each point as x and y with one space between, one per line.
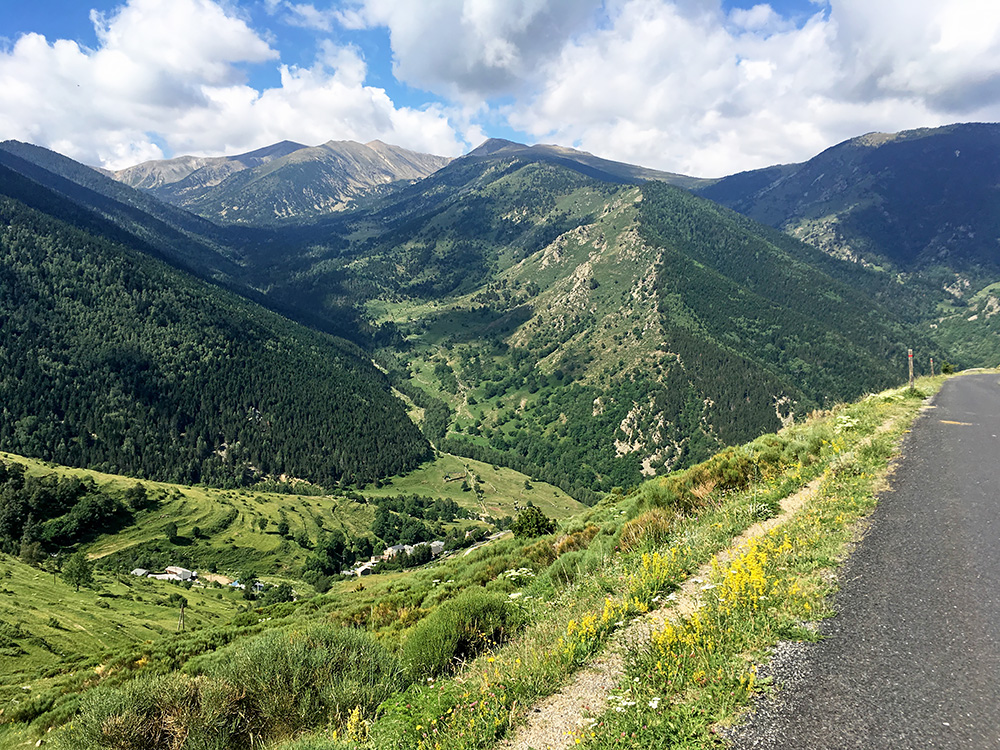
922 206
180 237
914 199
588 331
113 360
541 312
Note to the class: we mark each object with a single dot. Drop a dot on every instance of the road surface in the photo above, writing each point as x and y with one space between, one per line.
912 658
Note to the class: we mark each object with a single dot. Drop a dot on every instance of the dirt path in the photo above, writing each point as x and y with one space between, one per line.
551 724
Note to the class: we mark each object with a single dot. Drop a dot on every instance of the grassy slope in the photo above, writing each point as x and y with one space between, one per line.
242 542
574 605
501 488
60 638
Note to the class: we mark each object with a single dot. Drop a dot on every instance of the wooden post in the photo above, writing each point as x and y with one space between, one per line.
909 356
932 367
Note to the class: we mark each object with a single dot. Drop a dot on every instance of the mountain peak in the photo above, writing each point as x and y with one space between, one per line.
494 146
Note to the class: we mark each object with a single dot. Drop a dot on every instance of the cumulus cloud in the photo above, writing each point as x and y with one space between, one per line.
704 87
170 77
689 88
468 49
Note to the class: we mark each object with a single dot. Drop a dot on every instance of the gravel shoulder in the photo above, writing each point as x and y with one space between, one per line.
912 657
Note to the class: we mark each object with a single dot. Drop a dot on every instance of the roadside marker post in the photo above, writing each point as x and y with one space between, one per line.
932 367
910 357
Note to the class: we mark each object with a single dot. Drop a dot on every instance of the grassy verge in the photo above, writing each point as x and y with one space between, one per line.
697 674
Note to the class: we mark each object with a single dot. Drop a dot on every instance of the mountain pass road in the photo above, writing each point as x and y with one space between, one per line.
912 657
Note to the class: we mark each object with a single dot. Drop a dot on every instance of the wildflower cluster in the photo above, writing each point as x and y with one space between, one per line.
644 585
477 719
518 575
738 607
844 422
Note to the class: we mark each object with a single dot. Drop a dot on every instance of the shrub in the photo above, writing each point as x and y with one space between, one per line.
577 540
459 629
541 553
163 711
568 568
532 522
300 680
652 527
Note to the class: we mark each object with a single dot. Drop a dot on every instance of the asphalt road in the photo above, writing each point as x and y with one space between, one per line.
912 658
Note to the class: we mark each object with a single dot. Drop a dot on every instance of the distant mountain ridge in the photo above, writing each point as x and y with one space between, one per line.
155 175
285 181
916 199
288 181
583 162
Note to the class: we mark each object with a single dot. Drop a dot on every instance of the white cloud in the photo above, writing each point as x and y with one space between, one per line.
469 49
306 15
684 87
168 77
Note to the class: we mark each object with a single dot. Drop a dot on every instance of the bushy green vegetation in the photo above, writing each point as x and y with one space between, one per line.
531 522
460 629
112 360
501 627
266 688
52 512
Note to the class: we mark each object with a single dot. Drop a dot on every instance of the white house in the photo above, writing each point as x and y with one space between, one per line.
183 574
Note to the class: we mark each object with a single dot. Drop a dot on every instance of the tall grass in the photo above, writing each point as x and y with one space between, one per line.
258 691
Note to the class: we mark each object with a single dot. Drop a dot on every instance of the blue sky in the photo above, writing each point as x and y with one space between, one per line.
704 87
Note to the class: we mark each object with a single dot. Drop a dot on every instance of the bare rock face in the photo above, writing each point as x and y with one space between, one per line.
180 174
280 182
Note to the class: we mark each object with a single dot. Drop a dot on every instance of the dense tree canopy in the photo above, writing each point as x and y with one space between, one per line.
112 360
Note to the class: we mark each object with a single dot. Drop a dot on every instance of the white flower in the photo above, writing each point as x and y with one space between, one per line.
655 703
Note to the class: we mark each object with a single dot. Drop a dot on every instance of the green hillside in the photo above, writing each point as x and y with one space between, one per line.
590 333
541 604
113 360
59 641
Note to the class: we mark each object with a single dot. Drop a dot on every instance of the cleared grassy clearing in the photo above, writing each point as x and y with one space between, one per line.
501 488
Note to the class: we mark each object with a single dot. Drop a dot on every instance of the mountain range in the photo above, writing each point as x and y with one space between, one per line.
582 320
914 199
280 182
